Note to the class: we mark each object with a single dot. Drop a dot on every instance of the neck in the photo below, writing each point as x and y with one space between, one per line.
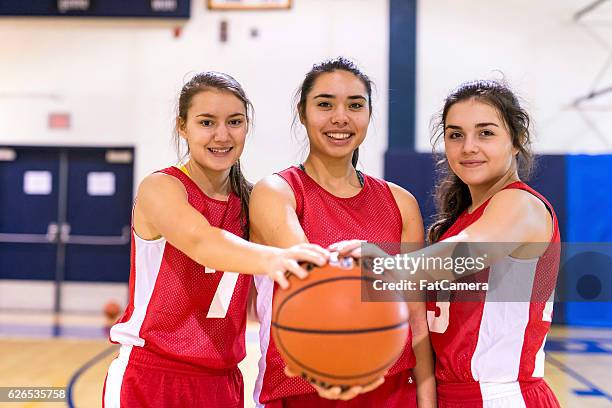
215 184
331 172
482 192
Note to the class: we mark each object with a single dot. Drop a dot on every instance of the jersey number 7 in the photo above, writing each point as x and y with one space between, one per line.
223 295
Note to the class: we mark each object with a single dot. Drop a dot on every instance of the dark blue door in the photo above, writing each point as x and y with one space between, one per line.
98 211
29 196
65 214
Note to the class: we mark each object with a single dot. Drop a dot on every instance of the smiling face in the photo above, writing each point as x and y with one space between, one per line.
478 144
215 129
336 114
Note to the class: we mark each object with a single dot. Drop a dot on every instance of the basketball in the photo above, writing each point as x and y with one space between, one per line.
112 310
325 333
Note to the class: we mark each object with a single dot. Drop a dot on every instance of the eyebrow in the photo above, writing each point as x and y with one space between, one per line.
330 96
210 115
478 125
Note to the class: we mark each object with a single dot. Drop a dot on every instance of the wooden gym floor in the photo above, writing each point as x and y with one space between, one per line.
75 353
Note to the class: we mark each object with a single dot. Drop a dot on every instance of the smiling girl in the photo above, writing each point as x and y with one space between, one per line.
324 200
482 199
489 346
182 334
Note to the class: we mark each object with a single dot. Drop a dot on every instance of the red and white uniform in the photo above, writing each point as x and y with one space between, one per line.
371 215
490 353
182 334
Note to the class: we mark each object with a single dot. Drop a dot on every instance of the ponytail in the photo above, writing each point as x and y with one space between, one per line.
355 157
242 188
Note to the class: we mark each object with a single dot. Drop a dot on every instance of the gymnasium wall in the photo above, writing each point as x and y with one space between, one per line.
547 57
120 79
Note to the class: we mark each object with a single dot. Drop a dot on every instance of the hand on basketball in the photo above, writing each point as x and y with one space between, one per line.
336 393
286 261
357 248
351 247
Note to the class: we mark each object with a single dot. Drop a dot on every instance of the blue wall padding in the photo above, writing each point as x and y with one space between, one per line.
589 201
415 172
589 181
402 73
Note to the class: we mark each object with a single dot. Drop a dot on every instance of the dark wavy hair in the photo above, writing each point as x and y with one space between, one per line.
223 82
326 66
452 195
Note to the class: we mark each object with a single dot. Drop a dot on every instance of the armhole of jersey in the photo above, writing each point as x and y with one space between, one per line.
136 236
160 237
523 186
299 198
399 211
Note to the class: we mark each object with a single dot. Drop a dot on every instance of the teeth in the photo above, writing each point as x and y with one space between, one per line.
219 150
339 136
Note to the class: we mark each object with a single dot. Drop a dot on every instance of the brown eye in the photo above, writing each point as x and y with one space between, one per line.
324 104
206 123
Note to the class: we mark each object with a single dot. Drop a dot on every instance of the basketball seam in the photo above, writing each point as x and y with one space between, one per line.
353 331
338 377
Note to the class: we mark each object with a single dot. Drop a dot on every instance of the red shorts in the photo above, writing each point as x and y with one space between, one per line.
398 390
137 378
535 394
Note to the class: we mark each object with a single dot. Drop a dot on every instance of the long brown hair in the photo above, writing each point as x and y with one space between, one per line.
331 65
223 82
452 195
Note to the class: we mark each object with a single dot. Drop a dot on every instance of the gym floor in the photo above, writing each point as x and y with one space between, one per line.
72 351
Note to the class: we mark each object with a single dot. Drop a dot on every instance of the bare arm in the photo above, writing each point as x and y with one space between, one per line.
412 232
162 209
272 214
514 223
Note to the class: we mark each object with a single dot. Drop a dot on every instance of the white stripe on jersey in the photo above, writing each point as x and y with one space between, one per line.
265 290
223 295
114 378
497 356
548 309
538 369
502 395
148 258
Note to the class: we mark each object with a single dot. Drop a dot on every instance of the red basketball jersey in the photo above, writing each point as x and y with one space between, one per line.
371 215
192 316
485 349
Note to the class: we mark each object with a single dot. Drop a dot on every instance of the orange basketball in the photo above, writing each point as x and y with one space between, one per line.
325 332
112 310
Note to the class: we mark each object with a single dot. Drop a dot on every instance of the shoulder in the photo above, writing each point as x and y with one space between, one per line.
403 197
272 187
160 184
517 202
518 209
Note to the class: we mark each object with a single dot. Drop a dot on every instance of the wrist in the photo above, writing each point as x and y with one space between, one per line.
266 258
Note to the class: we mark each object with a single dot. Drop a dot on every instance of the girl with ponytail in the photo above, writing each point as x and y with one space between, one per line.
182 334
324 200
